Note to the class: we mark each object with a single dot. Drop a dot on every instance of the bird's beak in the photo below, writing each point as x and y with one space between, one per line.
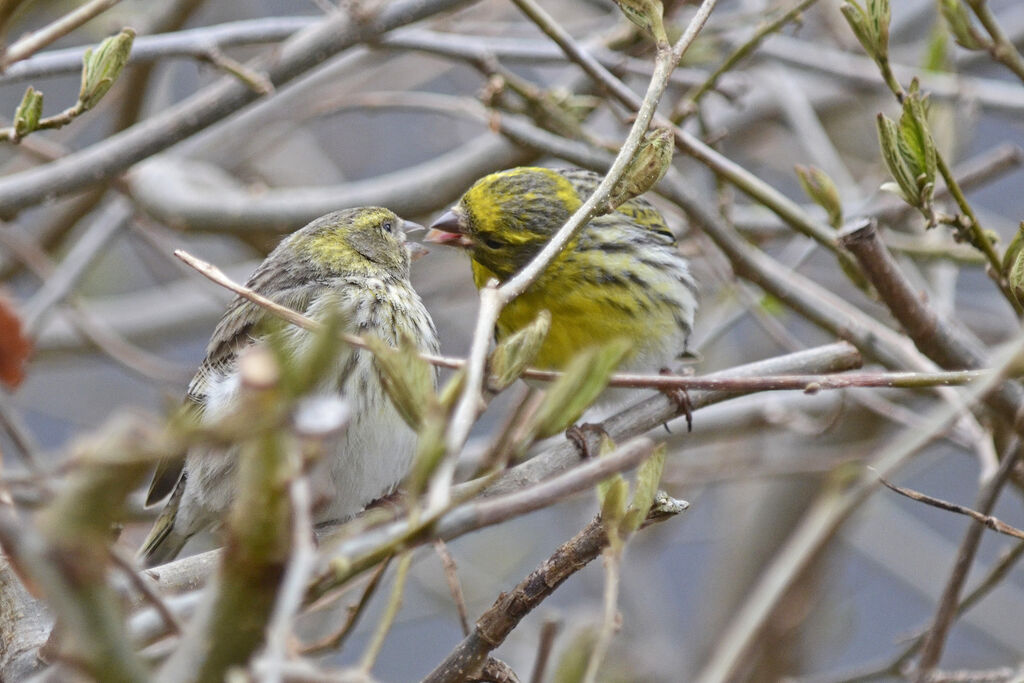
416 250
447 230
411 226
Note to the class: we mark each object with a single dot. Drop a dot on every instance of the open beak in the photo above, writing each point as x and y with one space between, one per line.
446 230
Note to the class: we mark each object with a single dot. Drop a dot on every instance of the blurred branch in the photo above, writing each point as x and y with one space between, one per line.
231 622
187 573
819 524
990 93
33 42
199 195
944 341
1002 49
64 554
115 154
495 624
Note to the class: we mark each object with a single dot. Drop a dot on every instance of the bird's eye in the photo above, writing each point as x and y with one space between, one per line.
493 243
386 227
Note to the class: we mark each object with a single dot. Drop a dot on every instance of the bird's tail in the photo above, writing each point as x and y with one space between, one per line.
164 542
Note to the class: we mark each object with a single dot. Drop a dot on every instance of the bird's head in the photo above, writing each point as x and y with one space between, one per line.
506 217
359 240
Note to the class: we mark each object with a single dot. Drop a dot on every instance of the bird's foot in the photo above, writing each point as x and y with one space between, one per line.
681 398
578 435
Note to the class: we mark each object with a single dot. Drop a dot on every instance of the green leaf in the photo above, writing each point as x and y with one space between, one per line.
648 476
582 381
429 452
515 353
408 379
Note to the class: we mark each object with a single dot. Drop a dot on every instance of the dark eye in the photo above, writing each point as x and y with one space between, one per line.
493 243
386 226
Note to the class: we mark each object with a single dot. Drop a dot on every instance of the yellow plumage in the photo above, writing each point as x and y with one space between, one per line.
621 278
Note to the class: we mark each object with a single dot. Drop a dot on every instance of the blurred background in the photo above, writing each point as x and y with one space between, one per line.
119 324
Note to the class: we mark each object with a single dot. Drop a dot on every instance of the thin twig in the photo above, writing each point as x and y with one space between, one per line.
145 590
988 520
548 631
37 40
390 612
451 575
612 567
333 641
935 641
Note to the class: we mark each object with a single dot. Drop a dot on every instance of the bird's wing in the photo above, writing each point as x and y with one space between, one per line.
233 333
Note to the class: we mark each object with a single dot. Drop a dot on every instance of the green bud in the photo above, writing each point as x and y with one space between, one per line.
583 380
820 188
959 22
26 117
648 476
407 379
515 353
101 68
648 15
649 165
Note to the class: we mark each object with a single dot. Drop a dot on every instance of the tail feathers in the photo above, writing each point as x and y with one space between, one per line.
164 541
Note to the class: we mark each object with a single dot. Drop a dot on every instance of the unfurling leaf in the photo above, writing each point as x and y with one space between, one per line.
870 26
820 188
26 117
100 68
407 379
648 15
516 352
909 152
583 380
649 165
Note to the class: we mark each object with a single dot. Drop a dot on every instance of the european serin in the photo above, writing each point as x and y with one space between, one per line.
622 276
357 262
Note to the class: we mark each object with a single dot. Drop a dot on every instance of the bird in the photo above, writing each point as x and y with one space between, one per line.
621 277
352 263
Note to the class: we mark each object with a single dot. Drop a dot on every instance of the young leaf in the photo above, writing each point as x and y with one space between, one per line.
648 476
407 379
516 352
583 380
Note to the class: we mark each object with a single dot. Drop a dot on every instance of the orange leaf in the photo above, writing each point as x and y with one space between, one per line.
14 346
